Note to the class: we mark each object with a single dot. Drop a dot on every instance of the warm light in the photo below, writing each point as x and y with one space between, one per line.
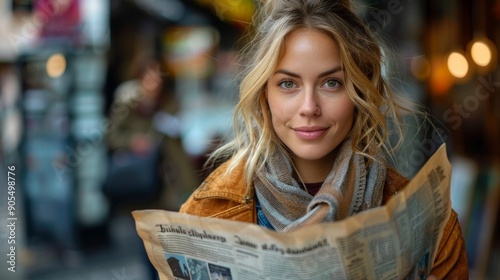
458 65
56 65
420 67
481 53
440 80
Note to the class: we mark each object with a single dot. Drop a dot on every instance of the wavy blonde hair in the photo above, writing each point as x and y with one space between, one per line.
361 56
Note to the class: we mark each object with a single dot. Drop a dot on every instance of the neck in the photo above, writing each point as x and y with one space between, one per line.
314 171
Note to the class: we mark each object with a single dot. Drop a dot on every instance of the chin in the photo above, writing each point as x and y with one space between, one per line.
311 155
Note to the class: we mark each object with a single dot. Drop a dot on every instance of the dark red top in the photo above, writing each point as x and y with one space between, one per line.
313 188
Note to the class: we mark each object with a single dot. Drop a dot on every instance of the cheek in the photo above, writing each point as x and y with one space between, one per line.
279 112
344 112
275 107
348 112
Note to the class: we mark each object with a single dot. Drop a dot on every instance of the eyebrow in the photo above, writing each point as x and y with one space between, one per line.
326 73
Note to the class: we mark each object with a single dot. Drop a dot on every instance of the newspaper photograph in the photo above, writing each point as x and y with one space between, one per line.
396 241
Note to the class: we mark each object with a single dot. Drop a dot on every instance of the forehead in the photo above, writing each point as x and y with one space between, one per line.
309 45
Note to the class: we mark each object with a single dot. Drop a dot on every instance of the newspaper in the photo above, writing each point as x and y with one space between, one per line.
396 241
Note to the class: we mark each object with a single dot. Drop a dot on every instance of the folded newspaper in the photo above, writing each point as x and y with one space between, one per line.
396 241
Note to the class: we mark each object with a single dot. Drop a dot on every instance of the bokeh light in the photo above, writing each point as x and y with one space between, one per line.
56 65
420 67
458 65
481 53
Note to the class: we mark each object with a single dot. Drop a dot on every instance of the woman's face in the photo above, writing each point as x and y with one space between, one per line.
311 110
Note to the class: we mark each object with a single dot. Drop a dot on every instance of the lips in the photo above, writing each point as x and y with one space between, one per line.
310 132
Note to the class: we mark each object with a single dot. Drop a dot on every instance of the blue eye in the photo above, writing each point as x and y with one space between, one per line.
287 84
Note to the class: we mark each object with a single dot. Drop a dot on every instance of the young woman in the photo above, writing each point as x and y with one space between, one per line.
310 129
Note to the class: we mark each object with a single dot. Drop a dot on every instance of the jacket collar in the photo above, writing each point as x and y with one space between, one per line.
232 185
226 185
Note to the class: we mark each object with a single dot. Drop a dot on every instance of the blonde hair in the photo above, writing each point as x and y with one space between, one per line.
254 138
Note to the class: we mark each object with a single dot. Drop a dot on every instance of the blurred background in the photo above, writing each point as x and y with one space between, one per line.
108 106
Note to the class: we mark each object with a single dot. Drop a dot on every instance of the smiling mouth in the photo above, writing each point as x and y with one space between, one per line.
311 133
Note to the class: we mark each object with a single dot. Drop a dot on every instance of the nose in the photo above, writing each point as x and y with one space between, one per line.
310 105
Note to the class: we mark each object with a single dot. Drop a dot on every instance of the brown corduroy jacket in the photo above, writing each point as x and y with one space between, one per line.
227 197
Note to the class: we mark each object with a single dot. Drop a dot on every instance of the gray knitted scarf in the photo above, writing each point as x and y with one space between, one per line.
350 188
